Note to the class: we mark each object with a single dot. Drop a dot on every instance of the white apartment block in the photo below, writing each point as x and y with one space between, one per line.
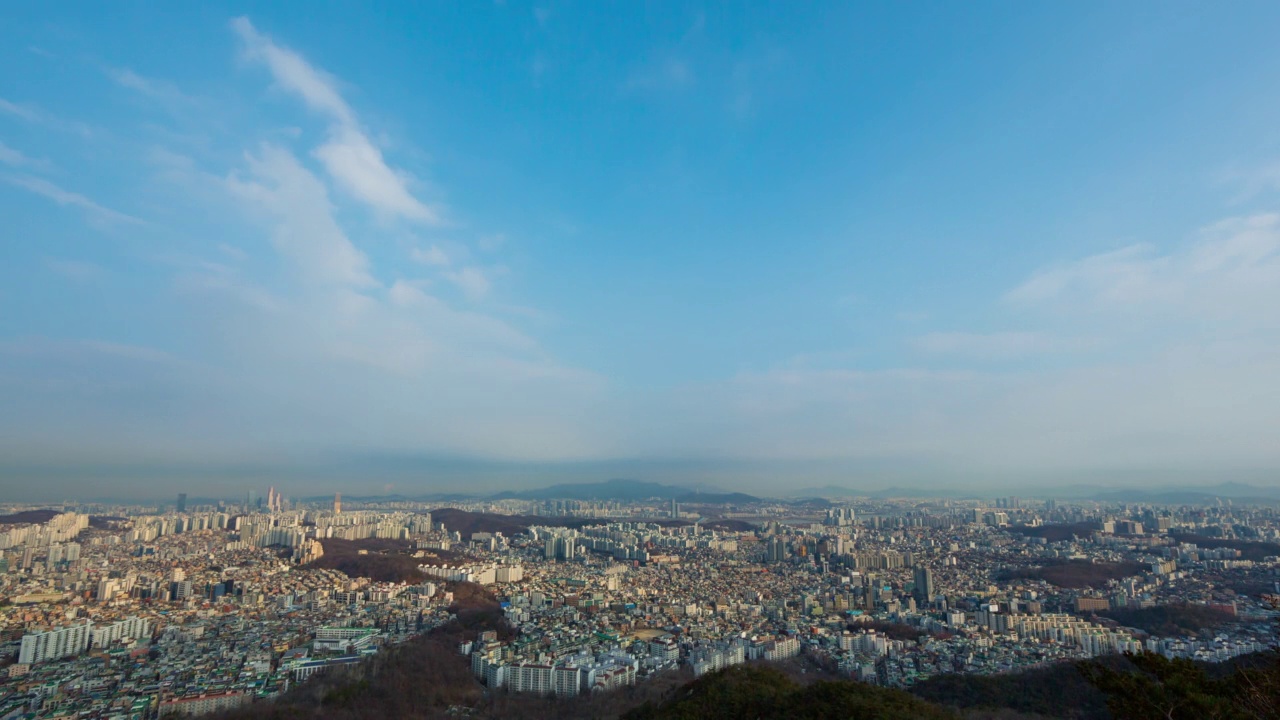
55 644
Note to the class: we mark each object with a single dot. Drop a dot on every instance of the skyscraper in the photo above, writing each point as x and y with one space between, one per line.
675 508
924 586
777 550
182 502
337 503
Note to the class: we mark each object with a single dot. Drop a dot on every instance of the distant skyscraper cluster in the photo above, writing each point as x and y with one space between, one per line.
275 501
777 549
840 517
561 547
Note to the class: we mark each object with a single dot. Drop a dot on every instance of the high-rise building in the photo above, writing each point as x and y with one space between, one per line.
924 586
777 549
55 644
675 508
559 547
182 502
337 503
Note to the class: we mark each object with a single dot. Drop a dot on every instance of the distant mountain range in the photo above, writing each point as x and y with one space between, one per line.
1170 496
636 490
627 490
837 491
1189 495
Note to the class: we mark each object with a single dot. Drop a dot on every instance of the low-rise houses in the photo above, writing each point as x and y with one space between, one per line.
191 612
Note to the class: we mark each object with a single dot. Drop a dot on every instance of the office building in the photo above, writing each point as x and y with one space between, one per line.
924 586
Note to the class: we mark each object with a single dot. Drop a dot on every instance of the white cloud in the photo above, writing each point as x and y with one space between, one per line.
431 256
472 281
301 214
129 79
1124 275
358 167
26 112
16 158
74 269
1173 355
365 364
35 115
293 72
310 353
664 72
233 252
993 346
160 90
492 243
1230 273
98 214
350 158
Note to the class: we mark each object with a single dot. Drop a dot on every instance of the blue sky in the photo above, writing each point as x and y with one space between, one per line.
468 245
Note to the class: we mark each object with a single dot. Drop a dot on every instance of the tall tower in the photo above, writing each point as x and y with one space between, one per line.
182 502
337 503
675 508
924 586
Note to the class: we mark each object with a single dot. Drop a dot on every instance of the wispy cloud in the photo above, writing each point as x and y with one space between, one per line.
492 242
1124 274
665 72
34 114
357 165
97 213
16 158
161 90
430 256
472 281
74 269
349 157
298 208
232 252
994 346
1231 269
27 112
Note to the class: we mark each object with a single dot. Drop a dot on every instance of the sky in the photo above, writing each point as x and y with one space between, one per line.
759 246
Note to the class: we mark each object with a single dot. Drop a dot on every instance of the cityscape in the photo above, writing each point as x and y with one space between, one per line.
198 606
678 360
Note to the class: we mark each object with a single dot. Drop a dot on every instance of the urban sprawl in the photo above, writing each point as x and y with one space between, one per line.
124 612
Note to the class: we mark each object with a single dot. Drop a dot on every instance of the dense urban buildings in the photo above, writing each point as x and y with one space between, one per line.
231 603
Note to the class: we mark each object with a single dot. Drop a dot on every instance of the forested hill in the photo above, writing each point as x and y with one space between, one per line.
766 693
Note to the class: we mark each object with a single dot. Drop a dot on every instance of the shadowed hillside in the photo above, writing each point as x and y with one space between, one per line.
757 691
1057 533
1249 550
28 516
1169 620
384 560
1056 691
1076 573
466 522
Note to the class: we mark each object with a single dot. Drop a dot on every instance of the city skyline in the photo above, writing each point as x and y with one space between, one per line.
481 248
